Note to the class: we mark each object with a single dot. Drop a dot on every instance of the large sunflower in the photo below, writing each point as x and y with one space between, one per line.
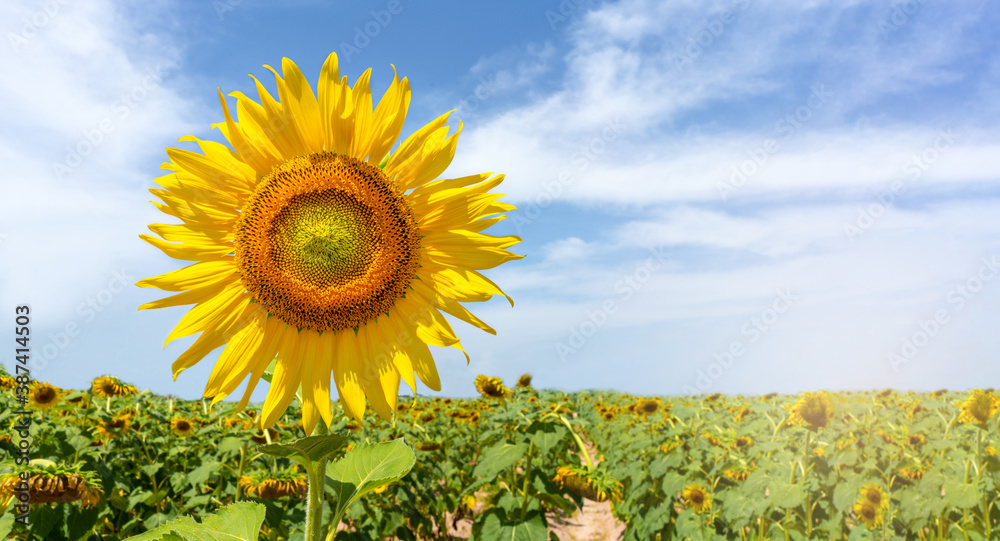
316 247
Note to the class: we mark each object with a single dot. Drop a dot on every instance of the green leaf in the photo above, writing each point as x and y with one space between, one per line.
367 467
495 525
785 495
845 493
498 458
237 522
312 448
961 495
673 483
203 473
7 522
545 435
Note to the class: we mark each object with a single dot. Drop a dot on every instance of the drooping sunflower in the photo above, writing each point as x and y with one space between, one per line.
595 484
316 246
428 446
742 442
874 495
868 514
181 427
110 386
980 407
44 396
115 427
492 387
268 485
53 484
524 380
696 497
813 410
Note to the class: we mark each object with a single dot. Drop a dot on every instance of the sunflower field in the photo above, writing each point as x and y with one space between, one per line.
112 463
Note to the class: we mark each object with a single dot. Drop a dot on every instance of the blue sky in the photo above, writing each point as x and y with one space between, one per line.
733 196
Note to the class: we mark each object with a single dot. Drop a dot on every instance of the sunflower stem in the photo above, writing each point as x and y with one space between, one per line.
527 481
579 442
317 486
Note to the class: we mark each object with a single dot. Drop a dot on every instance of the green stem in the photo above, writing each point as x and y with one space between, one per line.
979 466
579 442
805 470
314 498
527 481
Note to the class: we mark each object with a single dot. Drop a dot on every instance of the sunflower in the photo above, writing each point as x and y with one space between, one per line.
916 439
524 381
428 446
915 472
813 410
696 497
115 427
492 388
742 442
739 472
595 485
646 406
181 427
44 396
867 513
109 386
712 440
261 436
7 383
272 485
989 450
980 407
53 484
874 495
316 247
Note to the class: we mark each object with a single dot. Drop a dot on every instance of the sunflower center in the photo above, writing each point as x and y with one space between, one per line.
46 395
327 242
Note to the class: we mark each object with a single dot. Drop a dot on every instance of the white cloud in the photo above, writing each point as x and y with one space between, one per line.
94 104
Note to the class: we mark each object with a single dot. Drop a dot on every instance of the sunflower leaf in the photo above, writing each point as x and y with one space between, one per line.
236 522
495 524
365 468
311 448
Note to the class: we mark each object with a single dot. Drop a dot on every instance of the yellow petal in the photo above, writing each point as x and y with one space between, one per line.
306 357
273 329
192 276
238 353
217 332
286 380
347 372
212 312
